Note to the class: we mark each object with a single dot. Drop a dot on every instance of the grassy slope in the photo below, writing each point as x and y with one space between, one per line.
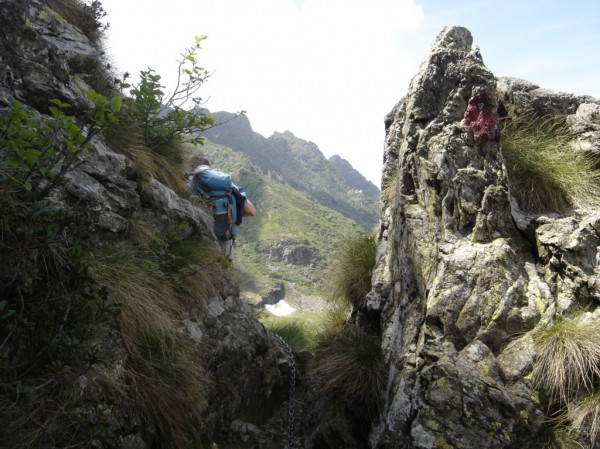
284 214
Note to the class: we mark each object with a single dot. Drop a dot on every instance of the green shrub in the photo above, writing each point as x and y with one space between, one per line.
352 269
39 150
546 174
156 129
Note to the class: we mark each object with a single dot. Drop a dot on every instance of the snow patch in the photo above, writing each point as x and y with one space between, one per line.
282 308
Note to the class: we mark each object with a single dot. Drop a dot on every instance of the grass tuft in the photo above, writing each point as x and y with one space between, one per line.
168 383
546 173
389 190
162 164
582 416
558 437
350 370
352 269
568 357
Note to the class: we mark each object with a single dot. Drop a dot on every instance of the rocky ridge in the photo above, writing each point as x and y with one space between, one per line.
464 277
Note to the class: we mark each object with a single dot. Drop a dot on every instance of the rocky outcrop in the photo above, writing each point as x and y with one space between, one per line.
293 253
460 288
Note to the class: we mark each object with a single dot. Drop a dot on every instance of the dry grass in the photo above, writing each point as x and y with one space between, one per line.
568 357
558 437
582 416
167 381
164 164
142 232
546 173
389 189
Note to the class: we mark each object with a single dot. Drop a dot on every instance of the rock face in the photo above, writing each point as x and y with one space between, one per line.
459 287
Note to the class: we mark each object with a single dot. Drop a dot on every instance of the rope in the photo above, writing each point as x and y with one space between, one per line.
292 398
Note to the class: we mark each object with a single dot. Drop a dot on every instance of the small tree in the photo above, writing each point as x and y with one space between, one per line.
164 118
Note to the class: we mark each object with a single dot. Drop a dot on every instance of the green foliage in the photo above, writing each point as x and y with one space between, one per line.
299 330
546 173
352 269
52 312
156 129
163 117
39 150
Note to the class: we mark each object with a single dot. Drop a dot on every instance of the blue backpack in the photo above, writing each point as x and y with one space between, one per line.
226 199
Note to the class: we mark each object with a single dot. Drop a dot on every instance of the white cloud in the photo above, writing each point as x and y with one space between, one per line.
327 70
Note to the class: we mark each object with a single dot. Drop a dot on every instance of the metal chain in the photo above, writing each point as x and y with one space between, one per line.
292 398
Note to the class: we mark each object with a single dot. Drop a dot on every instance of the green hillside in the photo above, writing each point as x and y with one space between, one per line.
298 162
287 246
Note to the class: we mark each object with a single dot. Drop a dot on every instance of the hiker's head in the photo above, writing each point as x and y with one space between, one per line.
198 160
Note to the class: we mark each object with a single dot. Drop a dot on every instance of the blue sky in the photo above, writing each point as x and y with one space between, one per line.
329 70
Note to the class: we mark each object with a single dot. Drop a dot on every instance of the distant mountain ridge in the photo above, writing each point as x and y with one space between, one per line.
353 177
301 165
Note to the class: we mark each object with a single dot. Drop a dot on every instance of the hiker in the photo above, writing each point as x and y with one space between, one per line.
229 201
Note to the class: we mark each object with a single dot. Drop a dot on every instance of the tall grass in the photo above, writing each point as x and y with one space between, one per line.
567 369
582 416
546 173
127 138
568 357
349 370
352 268
166 379
389 190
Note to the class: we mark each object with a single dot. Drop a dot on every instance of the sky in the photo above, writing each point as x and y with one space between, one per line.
330 70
